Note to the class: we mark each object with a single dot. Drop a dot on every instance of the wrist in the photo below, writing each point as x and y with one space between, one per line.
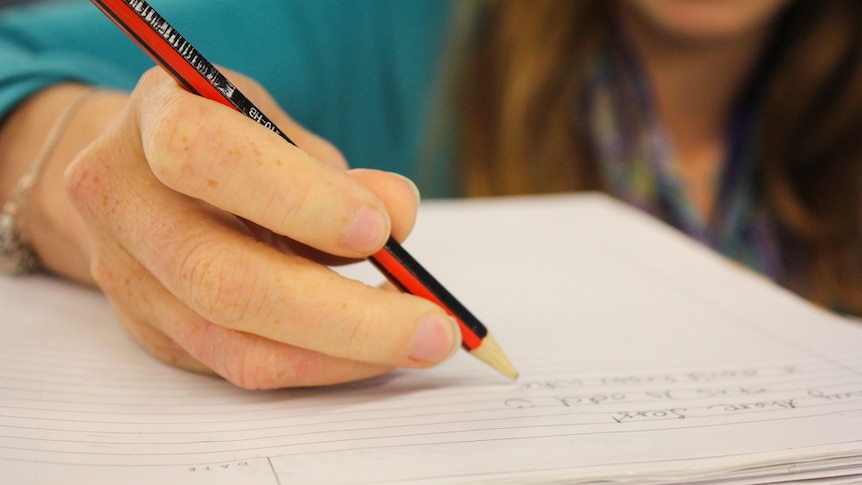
49 129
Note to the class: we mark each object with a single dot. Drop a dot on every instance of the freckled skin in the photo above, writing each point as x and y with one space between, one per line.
160 202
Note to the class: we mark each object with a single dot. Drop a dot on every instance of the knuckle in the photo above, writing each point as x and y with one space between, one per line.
150 78
75 181
357 341
220 283
102 274
107 278
237 371
160 344
169 138
246 364
291 215
363 338
83 178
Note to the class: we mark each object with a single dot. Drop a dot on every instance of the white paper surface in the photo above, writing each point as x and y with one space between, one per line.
643 357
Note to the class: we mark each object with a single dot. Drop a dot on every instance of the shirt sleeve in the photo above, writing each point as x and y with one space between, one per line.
358 73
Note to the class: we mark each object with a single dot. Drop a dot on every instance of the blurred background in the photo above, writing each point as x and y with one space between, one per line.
9 3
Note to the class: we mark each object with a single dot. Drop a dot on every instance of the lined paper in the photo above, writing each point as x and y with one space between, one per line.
643 356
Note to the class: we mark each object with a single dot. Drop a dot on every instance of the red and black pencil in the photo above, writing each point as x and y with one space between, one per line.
190 69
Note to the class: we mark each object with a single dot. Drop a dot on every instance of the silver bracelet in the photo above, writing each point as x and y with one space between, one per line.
17 256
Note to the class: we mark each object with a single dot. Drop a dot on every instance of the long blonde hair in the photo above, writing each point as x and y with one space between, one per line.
526 70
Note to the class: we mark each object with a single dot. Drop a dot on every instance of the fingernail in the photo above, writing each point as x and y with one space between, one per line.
412 186
436 339
367 231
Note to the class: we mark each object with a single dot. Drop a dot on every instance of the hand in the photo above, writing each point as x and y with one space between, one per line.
209 234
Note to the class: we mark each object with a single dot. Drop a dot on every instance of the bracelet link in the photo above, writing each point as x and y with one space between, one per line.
17 257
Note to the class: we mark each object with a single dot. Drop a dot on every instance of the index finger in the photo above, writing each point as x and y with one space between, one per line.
215 154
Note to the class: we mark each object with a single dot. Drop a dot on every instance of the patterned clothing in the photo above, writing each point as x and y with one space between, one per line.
637 160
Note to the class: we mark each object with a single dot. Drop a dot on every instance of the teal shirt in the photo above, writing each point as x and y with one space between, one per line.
359 73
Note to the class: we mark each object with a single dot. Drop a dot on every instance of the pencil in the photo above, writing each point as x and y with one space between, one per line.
191 70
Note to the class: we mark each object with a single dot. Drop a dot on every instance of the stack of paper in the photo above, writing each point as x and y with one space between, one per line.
643 358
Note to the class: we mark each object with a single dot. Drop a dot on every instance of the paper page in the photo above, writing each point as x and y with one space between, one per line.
642 356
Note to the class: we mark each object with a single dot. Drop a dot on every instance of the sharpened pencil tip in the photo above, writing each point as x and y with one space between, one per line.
491 353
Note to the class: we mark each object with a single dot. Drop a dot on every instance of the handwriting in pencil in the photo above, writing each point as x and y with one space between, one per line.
683 377
630 398
650 414
753 406
552 384
835 396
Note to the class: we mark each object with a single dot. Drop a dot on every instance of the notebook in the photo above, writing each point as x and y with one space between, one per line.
643 358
